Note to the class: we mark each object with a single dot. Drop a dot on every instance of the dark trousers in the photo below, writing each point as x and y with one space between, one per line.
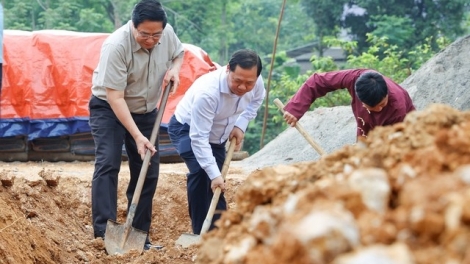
198 182
109 135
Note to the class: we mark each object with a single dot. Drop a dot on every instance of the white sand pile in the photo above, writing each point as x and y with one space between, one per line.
331 128
445 78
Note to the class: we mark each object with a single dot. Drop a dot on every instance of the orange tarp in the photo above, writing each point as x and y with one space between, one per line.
47 79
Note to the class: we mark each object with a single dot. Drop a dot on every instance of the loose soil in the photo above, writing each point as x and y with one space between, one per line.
45 213
400 196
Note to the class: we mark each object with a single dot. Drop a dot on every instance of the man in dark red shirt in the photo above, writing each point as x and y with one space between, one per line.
376 100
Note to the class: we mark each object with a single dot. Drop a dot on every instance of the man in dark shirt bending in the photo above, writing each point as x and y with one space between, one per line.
376 100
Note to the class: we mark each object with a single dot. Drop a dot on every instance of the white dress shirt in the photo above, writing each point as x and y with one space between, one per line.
212 111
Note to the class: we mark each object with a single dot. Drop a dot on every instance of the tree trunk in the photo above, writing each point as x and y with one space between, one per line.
116 15
223 50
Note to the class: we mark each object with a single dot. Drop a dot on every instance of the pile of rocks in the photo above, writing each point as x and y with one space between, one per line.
402 196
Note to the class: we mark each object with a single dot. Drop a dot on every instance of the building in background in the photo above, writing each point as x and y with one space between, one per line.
302 55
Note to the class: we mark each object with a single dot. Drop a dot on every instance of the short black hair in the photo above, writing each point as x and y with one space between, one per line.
371 88
246 59
148 10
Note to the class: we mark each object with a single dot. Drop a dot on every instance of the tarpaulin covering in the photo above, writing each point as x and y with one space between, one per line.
47 81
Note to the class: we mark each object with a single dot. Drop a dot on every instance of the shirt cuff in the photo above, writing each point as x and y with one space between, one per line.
293 110
213 171
242 123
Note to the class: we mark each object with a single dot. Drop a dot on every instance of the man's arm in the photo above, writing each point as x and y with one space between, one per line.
316 86
202 118
173 73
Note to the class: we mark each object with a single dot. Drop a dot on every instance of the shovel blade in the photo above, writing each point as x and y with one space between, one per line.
120 239
187 240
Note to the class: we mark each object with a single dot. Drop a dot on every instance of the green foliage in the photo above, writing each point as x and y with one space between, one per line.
466 22
17 14
347 46
203 23
93 22
327 17
383 57
390 60
398 30
323 64
406 23
80 15
282 89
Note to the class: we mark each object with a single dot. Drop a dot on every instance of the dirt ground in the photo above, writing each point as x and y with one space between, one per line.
43 223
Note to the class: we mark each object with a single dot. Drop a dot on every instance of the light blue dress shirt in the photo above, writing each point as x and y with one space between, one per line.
212 111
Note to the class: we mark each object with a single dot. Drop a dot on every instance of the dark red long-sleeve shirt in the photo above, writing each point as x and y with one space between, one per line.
317 85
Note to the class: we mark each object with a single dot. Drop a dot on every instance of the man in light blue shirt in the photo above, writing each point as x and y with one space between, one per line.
217 107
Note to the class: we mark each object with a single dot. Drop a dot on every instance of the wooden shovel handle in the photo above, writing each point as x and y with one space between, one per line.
228 157
145 166
148 153
215 197
301 130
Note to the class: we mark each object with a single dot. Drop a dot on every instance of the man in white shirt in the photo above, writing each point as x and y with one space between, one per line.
218 106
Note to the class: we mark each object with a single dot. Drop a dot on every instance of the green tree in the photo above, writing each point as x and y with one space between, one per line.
18 15
221 26
80 15
258 24
60 15
398 30
327 17
428 18
204 23
466 21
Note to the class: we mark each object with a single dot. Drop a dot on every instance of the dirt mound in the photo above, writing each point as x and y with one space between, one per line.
443 79
402 196
45 214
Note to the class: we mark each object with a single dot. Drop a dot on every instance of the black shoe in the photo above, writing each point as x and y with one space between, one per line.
149 246
99 234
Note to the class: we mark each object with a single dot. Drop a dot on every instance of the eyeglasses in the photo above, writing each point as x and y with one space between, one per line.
147 36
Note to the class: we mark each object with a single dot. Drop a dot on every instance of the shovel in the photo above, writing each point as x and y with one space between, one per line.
186 240
301 130
122 238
